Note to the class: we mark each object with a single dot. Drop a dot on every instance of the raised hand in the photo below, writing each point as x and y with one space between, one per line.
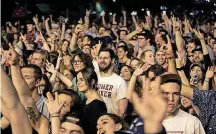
146 107
124 12
88 12
58 61
198 34
210 72
141 69
23 37
53 105
35 19
50 67
12 56
79 28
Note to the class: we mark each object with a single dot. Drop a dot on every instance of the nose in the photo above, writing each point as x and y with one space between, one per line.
170 97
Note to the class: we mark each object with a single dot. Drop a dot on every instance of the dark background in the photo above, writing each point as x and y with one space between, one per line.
77 8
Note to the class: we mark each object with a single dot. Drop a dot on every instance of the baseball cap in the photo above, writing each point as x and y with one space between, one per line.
196 64
198 48
30 22
166 78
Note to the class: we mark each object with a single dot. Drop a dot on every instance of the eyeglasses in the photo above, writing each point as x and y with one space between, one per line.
76 62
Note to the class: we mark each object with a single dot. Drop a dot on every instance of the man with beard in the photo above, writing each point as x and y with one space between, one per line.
111 86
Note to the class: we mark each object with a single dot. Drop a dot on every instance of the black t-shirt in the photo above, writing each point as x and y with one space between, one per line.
90 114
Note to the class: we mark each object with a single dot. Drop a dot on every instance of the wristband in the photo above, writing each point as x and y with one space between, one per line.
55 116
134 75
180 69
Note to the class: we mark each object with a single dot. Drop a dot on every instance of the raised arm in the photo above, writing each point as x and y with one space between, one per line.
73 44
124 18
47 27
63 31
54 108
88 12
36 21
24 94
134 20
10 98
132 84
103 19
179 40
209 75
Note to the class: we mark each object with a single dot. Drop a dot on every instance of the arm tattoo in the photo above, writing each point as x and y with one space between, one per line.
33 117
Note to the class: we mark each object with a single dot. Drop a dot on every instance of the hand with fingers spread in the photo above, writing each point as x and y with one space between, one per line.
141 69
53 104
50 67
151 114
198 34
210 72
79 28
88 12
23 37
12 56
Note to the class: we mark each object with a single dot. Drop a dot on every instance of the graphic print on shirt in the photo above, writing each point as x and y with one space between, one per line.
105 90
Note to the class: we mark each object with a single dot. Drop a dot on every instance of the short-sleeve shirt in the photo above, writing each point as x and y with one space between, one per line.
206 101
112 89
42 107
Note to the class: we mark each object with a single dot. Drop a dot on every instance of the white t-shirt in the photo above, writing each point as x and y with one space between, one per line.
112 89
183 123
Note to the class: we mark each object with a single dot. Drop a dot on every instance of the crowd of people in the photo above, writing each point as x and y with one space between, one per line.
118 74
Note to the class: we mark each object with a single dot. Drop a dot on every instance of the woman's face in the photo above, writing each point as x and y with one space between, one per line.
16 37
77 64
196 70
67 60
81 84
125 73
149 58
68 74
186 102
65 45
106 125
121 53
68 37
134 64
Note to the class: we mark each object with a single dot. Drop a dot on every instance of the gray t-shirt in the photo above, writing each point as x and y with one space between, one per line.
42 107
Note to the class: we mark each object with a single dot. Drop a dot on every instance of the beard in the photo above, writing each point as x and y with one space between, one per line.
106 68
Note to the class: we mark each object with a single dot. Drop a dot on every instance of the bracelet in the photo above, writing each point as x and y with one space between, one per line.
180 69
55 116
134 75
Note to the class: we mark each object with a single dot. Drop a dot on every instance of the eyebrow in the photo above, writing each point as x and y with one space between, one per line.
78 131
104 120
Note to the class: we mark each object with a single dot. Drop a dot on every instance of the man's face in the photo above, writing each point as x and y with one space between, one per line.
28 75
198 56
67 105
158 38
37 59
101 30
190 47
104 61
29 27
86 49
86 40
161 58
70 128
214 49
122 35
142 41
211 43
172 91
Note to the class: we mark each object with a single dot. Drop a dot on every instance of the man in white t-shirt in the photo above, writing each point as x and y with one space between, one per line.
111 86
176 120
